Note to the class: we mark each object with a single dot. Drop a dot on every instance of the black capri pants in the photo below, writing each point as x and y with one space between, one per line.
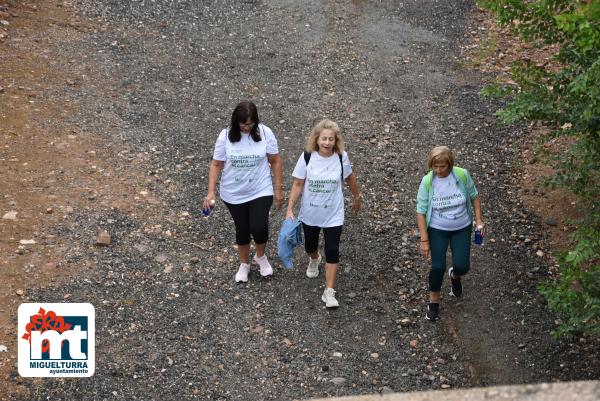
332 241
251 218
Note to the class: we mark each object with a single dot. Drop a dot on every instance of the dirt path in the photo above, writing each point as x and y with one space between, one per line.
40 165
54 169
109 114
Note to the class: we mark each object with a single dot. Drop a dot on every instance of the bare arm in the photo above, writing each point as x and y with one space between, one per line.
277 168
294 196
477 210
214 170
353 184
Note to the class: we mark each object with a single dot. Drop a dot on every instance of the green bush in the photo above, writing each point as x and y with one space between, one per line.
575 297
565 96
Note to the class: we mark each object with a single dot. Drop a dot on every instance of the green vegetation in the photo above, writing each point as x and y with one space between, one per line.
565 96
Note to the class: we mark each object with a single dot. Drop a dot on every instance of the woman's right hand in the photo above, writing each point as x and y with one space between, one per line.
210 198
424 249
289 214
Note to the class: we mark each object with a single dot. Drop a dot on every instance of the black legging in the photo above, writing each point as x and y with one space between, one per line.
251 218
332 241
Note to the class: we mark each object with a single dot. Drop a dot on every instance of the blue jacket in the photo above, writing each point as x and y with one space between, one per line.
290 235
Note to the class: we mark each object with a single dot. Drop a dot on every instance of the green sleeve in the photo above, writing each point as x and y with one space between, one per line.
471 187
422 198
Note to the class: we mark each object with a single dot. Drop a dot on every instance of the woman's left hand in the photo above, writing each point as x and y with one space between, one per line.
278 198
425 249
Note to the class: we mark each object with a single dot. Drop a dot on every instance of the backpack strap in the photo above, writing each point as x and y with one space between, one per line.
458 171
428 181
307 157
461 174
307 160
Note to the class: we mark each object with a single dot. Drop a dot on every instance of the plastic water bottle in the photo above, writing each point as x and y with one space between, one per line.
478 240
207 211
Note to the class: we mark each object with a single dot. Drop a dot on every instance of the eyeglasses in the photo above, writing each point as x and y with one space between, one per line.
249 125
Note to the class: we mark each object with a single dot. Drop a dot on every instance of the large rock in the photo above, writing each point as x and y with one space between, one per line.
103 239
12 215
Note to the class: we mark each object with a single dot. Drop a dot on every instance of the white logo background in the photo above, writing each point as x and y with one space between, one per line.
81 365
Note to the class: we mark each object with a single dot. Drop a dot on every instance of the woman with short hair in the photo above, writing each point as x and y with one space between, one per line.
447 204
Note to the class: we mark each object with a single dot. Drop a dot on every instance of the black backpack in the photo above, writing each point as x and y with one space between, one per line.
307 159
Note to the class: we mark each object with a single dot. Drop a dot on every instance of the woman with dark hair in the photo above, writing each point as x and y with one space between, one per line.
245 153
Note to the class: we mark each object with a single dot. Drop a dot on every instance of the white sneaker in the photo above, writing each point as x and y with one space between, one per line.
312 270
265 267
329 298
242 274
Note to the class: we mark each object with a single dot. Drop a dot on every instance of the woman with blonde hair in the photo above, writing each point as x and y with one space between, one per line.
318 177
447 203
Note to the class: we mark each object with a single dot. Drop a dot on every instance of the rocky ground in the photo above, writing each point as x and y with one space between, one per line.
110 125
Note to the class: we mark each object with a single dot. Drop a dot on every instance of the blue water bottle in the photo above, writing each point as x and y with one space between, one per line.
478 240
207 211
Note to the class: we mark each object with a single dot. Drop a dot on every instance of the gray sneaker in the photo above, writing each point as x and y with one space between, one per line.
329 298
312 270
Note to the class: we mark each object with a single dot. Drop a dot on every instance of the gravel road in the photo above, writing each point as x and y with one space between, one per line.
157 80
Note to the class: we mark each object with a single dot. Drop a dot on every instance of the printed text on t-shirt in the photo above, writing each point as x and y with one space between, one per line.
322 186
244 161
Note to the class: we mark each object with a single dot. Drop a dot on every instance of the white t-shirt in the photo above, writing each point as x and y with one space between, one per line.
448 205
246 174
322 197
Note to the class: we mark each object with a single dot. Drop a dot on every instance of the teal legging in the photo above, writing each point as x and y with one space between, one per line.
460 244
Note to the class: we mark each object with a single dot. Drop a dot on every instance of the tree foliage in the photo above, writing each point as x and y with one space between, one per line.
565 96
